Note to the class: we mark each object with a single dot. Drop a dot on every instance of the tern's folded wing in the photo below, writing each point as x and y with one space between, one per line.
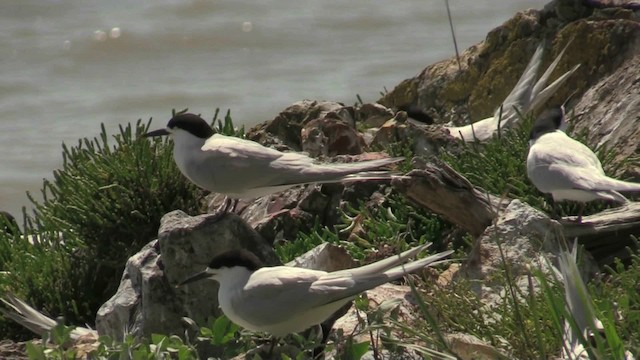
232 147
274 294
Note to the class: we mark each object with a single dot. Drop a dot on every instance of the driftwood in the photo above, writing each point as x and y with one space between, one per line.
442 190
445 192
606 234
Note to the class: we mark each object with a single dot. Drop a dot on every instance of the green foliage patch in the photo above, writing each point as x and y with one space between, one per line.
101 207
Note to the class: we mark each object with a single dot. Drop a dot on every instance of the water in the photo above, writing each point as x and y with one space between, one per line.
69 65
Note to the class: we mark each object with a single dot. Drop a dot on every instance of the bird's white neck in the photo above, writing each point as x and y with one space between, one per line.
186 149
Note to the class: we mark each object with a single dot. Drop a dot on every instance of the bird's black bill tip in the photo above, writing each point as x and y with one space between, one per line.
195 277
154 133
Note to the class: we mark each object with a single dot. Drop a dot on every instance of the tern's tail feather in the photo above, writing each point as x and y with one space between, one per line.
328 173
25 315
401 270
529 94
623 186
521 93
541 97
579 304
607 188
368 277
388 263
540 84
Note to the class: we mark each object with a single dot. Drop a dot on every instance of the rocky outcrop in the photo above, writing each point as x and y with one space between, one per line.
609 112
147 301
604 39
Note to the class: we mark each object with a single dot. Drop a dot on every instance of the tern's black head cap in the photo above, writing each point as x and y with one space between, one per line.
549 121
236 258
191 123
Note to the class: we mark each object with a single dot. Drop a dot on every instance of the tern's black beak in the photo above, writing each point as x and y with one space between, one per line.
159 132
195 277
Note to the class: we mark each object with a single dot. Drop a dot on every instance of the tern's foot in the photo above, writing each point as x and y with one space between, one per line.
227 206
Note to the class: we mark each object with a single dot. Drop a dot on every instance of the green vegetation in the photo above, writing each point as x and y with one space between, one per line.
100 208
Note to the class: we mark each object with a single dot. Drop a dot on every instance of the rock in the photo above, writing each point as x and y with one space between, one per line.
469 347
284 131
373 115
403 299
147 302
331 137
522 239
130 308
609 112
491 68
426 140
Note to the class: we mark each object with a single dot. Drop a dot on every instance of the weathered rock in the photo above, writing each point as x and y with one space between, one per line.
284 131
402 299
373 115
491 68
521 239
425 140
147 302
610 113
331 137
469 347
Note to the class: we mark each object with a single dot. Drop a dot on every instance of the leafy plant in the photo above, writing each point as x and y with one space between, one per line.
100 208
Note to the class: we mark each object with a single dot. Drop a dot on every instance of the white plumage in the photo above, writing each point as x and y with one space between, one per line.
527 96
567 169
244 169
282 299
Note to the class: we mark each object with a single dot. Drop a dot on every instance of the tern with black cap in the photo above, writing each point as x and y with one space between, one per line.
244 169
281 300
566 168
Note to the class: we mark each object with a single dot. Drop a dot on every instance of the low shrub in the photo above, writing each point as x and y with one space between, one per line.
101 207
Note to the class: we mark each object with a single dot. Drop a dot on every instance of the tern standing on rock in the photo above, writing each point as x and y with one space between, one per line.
566 168
281 300
244 169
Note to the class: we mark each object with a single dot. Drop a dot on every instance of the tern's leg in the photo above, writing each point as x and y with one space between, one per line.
228 205
556 213
582 206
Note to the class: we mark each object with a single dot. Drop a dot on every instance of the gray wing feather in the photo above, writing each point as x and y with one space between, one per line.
243 164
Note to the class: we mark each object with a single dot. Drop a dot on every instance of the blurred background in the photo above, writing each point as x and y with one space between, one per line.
69 65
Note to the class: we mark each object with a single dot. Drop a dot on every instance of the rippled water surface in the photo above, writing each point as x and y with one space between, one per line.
69 65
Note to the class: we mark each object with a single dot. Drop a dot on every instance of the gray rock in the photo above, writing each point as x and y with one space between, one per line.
328 136
374 115
147 301
521 238
610 112
284 131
